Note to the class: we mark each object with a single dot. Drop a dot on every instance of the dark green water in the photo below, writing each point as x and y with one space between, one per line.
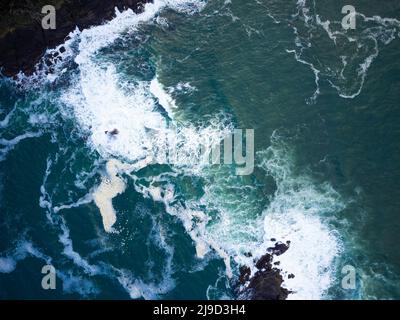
326 142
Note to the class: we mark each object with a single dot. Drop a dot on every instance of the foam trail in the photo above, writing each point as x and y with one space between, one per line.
72 283
69 252
10 144
138 288
193 219
84 200
316 72
157 89
23 250
45 201
4 123
101 101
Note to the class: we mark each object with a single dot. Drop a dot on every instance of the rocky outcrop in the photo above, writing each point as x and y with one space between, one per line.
266 282
23 40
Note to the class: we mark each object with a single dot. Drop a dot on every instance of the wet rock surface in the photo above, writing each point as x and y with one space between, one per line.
266 282
23 41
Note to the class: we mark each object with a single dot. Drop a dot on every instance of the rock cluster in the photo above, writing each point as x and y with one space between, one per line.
23 41
266 282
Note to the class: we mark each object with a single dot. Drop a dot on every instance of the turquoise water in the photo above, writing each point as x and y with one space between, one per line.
323 105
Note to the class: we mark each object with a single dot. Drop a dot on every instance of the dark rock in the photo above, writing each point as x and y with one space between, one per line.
266 283
264 262
268 286
279 248
112 132
245 273
23 41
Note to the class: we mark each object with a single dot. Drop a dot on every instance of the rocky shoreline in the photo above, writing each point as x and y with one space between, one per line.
23 41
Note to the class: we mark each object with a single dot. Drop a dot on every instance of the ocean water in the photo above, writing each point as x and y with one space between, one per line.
323 103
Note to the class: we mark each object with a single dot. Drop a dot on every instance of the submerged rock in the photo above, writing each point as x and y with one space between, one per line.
279 248
113 132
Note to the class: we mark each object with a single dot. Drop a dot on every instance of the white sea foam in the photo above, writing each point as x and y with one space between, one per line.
111 186
185 87
45 202
313 249
157 89
194 220
84 200
95 38
299 213
80 284
219 290
137 288
101 101
4 123
100 105
7 264
23 249
72 283
68 251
